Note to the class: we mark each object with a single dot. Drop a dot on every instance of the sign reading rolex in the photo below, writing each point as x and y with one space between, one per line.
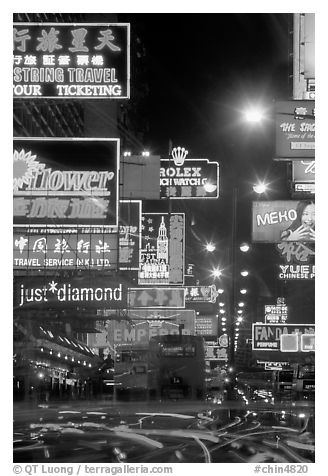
53 292
182 178
65 181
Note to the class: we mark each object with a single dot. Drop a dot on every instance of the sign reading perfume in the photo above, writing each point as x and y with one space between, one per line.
288 220
201 293
55 292
268 336
296 271
65 181
156 297
150 323
162 259
295 129
71 60
182 178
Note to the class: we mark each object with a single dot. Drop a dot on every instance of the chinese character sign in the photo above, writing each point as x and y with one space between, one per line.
295 129
275 313
284 221
162 253
87 60
65 181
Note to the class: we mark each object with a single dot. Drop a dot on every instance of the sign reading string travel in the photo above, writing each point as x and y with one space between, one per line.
65 181
182 178
71 60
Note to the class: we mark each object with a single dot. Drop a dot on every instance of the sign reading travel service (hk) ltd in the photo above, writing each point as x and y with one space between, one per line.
71 60
75 292
65 181
162 256
268 336
182 178
295 130
283 220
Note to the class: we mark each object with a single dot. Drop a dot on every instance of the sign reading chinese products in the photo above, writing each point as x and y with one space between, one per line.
201 293
65 181
194 178
71 60
296 271
156 297
163 249
295 129
268 336
289 220
76 292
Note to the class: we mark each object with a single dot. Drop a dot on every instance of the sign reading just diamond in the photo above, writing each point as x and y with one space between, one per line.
71 60
162 256
65 181
75 292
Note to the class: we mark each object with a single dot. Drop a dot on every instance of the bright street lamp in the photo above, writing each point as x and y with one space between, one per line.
260 188
243 291
210 247
244 273
254 115
244 247
216 273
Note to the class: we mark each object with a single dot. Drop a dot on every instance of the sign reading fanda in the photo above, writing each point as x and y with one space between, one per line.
71 60
65 181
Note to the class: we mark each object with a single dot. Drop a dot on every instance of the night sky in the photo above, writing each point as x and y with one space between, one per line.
202 71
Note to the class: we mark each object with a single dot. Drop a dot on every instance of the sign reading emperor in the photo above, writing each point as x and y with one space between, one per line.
279 221
295 129
65 181
71 60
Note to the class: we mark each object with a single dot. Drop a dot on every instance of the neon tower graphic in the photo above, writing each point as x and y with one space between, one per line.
162 243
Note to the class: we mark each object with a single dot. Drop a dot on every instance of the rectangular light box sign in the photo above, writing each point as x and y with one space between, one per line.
162 256
71 60
65 181
303 171
295 130
156 297
194 178
296 272
267 336
283 220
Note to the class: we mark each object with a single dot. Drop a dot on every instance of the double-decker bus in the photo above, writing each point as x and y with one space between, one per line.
176 367
131 371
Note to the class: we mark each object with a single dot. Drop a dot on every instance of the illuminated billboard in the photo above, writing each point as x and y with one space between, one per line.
275 313
207 325
295 129
303 171
65 181
216 352
142 325
283 220
162 256
54 292
296 271
156 297
201 293
71 60
267 337
194 178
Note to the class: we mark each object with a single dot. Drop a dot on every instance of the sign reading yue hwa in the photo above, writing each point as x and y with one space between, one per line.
194 178
295 129
71 60
65 181
296 271
162 259
56 292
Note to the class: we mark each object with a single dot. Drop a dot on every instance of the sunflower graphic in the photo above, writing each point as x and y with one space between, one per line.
25 166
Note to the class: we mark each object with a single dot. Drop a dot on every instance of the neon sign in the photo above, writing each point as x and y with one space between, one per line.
72 60
73 293
53 183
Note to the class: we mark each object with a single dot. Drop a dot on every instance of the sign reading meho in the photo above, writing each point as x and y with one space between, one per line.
267 336
295 129
71 60
162 256
65 181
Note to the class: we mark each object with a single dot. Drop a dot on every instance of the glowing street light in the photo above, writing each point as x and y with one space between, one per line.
254 115
244 247
216 273
241 304
222 311
221 304
210 247
244 273
240 311
220 291
243 291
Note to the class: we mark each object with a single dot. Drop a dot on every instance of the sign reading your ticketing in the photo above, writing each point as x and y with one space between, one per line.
65 181
71 60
